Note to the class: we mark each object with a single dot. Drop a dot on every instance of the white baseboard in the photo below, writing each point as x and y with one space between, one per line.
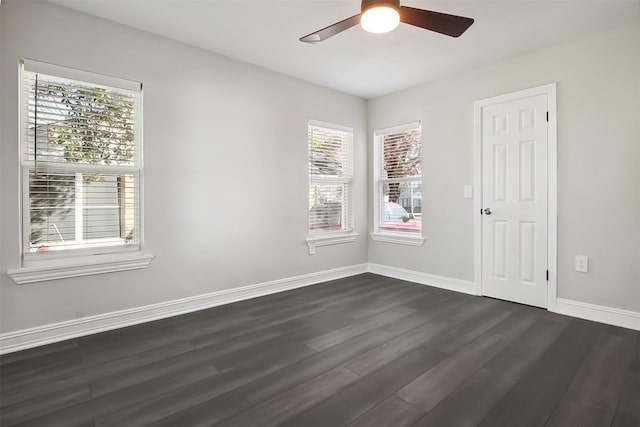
598 313
448 283
47 334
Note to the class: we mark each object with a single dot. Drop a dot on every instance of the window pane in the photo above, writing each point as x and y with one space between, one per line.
329 152
81 210
326 206
75 122
402 210
402 154
51 208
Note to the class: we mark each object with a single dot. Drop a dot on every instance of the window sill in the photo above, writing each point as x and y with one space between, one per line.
330 239
399 238
76 267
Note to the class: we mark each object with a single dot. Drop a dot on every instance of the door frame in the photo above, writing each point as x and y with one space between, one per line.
552 184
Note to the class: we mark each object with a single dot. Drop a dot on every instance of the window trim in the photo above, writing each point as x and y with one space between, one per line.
80 262
380 234
333 237
45 270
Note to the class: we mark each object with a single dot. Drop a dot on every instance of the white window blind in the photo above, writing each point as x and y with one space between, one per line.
81 164
330 177
399 179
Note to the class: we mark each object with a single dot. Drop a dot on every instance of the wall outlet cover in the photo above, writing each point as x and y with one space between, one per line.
582 263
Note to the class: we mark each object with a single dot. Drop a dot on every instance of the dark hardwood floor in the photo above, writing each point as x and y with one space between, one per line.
361 351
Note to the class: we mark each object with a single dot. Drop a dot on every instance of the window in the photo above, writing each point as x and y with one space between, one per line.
330 184
80 164
398 185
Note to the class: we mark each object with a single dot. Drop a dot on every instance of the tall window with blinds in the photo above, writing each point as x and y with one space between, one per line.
81 163
330 178
398 179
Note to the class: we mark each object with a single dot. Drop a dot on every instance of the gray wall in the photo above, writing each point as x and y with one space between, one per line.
218 135
598 163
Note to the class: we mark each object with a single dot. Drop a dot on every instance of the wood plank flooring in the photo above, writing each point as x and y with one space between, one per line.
362 351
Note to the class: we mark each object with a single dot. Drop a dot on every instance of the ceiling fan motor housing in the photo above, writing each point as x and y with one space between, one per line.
368 4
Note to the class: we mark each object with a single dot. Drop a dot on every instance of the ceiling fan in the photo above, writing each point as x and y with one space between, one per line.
381 16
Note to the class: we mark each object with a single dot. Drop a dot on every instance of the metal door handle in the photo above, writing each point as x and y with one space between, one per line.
487 211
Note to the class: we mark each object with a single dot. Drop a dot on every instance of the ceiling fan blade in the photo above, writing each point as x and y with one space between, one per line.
331 30
450 25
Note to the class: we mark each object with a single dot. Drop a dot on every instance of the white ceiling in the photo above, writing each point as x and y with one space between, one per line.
266 32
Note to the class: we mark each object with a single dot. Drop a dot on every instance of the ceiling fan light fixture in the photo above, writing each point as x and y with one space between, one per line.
380 16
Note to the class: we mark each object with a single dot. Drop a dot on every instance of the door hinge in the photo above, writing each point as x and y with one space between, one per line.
547 275
547 116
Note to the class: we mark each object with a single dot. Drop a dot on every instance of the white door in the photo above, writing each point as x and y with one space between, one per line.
514 200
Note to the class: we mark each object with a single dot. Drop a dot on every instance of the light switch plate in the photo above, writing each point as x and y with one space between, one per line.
468 191
582 263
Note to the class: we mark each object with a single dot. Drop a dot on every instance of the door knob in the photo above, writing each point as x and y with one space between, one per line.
487 211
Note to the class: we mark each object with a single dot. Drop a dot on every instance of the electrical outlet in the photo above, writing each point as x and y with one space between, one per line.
582 263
